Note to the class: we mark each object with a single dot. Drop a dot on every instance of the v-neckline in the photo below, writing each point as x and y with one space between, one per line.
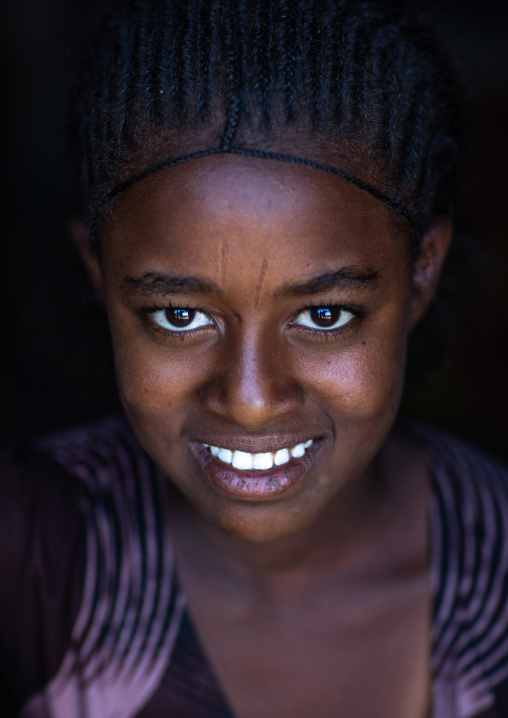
194 682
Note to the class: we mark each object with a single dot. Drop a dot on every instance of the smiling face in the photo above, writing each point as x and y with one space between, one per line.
259 315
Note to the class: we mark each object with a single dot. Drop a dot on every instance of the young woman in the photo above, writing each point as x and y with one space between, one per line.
264 209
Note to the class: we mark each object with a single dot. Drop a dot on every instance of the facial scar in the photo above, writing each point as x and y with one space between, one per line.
223 266
261 281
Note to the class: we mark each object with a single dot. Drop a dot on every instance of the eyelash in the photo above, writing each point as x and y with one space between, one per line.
155 329
359 313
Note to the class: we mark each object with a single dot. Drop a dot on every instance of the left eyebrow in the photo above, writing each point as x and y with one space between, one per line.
344 277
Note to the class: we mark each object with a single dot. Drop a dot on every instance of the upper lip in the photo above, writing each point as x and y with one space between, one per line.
259 445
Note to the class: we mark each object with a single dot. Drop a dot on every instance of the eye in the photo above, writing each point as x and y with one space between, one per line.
180 319
324 318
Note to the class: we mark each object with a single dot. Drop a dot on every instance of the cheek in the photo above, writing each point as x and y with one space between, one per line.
367 388
362 383
155 384
153 380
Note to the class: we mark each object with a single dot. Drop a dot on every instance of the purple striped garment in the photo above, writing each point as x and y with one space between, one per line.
92 621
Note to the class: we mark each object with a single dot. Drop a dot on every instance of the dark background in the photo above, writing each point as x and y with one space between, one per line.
38 39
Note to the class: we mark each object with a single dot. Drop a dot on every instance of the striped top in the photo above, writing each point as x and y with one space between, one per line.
93 624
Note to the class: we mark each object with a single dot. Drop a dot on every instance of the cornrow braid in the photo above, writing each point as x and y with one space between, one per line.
233 78
203 42
286 52
364 78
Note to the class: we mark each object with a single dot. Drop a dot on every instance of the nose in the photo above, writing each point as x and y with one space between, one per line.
253 386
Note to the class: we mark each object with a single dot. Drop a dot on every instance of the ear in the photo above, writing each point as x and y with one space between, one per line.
91 259
427 267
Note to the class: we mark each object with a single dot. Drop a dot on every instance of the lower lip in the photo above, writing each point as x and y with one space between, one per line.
254 485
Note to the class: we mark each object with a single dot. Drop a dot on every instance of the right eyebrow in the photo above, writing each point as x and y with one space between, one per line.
343 277
153 283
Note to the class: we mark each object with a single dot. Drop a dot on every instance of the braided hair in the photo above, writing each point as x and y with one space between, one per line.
363 82
361 79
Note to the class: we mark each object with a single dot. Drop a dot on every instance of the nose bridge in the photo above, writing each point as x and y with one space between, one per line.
252 379
254 384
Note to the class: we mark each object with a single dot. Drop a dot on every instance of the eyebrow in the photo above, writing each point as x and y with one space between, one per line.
344 277
153 283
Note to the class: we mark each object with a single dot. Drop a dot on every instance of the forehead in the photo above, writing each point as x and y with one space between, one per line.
289 213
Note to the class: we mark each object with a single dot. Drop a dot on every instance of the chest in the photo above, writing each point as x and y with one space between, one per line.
302 661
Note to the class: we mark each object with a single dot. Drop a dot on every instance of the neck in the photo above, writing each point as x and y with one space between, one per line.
330 542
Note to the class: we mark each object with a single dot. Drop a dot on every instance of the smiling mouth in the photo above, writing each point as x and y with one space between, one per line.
256 476
259 462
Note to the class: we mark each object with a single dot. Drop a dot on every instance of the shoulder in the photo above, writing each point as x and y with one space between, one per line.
469 515
49 484
125 493
41 569
89 552
468 483
92 452
469 528
39 503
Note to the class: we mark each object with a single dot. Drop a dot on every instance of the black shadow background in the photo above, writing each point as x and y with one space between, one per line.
469 395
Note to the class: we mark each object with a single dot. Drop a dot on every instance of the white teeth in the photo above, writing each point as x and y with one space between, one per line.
281 457
298 451
242 460
225 455
260 462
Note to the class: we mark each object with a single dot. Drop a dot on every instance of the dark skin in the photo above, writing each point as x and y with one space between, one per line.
312 600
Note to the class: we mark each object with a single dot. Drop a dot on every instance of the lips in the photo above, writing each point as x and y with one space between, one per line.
256 476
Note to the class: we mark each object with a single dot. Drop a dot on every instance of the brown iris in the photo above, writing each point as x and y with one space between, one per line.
325 316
